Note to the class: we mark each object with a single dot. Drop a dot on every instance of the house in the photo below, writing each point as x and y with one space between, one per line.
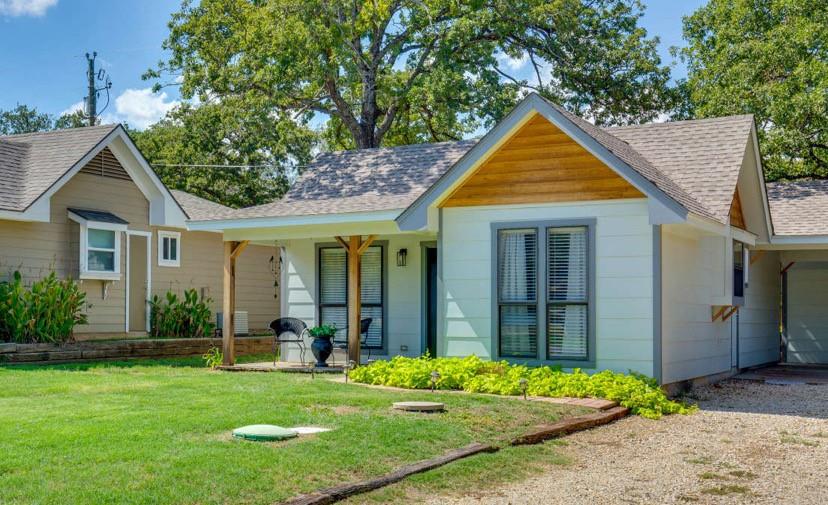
84 203
655 248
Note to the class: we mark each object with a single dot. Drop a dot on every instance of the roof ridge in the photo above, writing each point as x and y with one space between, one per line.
678 122
402 146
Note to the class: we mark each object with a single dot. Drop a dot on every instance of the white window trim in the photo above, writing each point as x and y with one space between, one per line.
162 234
85 226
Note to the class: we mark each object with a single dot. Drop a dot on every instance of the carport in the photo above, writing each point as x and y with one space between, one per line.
799 211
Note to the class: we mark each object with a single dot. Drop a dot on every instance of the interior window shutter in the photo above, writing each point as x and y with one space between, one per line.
371 294
333 287
517 293
567 293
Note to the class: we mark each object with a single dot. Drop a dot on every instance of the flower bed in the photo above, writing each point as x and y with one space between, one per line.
637 392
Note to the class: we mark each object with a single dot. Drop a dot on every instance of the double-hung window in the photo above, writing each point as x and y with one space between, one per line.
333 291
543 292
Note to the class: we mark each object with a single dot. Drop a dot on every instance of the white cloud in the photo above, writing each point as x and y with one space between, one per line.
141 107
25 7
514 64
72 108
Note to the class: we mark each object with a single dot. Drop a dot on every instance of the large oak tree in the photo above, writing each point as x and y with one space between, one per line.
387 72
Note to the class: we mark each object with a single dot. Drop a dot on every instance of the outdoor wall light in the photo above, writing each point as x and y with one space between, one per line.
402 257
434 376
523 385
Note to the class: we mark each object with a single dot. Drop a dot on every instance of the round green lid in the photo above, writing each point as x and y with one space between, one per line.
263 432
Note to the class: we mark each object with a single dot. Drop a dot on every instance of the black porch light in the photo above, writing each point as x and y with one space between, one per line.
402 257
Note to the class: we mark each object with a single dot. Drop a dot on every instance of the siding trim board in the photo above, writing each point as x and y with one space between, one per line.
541 295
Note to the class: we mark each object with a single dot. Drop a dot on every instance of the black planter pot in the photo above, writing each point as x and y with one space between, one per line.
322 348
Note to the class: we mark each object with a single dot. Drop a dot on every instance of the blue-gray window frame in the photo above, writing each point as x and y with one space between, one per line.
383 244
541 300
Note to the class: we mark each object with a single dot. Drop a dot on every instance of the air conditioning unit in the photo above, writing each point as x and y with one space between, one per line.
242 326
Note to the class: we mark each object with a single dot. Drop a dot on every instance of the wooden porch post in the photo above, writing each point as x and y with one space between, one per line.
228 330
354 298
355 247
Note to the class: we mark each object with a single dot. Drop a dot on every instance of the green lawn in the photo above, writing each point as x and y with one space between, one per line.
158 432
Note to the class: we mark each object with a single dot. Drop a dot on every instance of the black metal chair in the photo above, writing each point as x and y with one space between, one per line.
285 325
364 326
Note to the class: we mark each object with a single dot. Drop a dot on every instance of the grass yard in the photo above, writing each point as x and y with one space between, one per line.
158 432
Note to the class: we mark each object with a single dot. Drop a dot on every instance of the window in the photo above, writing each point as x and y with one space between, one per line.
100 243
169 248
543 290
333 290
739 277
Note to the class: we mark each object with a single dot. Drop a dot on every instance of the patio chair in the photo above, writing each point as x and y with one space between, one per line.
364 325
285 326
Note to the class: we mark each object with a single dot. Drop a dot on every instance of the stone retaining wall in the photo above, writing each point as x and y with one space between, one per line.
124 349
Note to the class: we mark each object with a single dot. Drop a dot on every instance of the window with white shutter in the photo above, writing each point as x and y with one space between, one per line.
333 290
543 291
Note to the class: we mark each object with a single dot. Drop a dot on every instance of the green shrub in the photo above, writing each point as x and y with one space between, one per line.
213 357
186 317
635 391
325 330
46 312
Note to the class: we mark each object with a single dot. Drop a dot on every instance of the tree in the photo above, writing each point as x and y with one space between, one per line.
230 154
402 71
768 58
23 119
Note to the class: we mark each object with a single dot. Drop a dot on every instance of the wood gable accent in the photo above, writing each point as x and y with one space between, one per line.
540 164
737 218
105 164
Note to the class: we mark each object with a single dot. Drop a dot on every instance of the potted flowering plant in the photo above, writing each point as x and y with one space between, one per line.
322 346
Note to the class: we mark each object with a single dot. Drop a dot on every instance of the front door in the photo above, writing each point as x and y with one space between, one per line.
431 300
137 283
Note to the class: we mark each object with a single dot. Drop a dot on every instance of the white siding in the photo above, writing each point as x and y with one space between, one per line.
403 290
693 269
624 278
759 317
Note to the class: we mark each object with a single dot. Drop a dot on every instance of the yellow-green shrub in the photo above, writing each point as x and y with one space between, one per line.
637 392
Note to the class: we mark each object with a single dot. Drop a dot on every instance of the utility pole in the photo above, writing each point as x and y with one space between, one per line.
90 112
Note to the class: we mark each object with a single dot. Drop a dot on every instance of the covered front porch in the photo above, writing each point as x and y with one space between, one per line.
377 285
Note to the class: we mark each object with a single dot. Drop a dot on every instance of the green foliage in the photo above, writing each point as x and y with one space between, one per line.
768 58
639 393
175 317
247 153
46 312
213 358
25 119
325 330
386 73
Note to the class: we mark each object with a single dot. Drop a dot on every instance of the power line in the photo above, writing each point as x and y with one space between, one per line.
195 165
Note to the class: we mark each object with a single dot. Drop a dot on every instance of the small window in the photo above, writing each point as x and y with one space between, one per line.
169 249
100 250
738 269
100 243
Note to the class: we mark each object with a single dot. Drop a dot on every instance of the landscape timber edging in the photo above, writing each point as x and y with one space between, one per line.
91 350
604 413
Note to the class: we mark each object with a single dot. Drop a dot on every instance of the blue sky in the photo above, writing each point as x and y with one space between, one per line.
44 43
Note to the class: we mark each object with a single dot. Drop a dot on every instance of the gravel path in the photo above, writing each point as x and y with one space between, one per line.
750 443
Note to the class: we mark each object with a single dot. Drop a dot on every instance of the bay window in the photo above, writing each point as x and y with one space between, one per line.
543 292
100 243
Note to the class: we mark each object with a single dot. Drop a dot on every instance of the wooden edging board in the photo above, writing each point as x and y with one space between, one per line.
336 493
535 436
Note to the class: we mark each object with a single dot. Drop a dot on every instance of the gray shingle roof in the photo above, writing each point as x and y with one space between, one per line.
799 207
360 181
703 156
695 162
31 163
198 208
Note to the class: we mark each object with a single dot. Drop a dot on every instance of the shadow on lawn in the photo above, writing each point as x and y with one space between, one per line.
184 362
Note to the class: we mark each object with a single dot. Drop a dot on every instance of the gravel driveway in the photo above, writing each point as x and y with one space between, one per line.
750 443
